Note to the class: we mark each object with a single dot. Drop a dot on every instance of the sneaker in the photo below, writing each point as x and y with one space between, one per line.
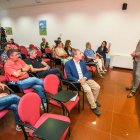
103 72
98 104
131 94
18 128
45 105
101 76
96 111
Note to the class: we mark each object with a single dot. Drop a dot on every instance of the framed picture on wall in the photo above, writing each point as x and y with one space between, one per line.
9 30
42 27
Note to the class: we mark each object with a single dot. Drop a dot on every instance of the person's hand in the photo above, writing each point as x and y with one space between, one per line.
3 94
133 54
27 68
45 68
82 81
109 45
2 86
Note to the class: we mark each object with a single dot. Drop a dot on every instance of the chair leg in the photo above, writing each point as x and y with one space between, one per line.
24 132
83 100
79 106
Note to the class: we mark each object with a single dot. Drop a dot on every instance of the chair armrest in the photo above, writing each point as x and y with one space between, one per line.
26 125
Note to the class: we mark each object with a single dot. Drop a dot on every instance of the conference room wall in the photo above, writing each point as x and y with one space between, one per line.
80 21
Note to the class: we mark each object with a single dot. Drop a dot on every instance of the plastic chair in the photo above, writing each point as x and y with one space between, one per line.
29 112
3 113
77 86
51 84
24 52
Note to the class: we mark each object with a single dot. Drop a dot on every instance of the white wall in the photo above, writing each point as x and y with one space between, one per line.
80 21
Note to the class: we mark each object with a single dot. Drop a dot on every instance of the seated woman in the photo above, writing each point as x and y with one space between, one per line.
61 53
103 50
68 47
44 44
10 102
92 56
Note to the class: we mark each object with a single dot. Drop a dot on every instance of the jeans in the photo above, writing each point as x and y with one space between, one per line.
43 74
10 102
136 76
35 83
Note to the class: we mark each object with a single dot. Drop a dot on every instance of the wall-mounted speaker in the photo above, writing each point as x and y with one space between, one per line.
124 6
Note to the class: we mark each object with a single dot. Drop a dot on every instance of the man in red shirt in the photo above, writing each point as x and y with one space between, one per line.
16 70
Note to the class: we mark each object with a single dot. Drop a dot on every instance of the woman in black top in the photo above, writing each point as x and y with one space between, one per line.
102 50
68 47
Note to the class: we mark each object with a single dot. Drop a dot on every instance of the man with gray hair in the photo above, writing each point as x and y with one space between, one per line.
136 72
76 71
41 68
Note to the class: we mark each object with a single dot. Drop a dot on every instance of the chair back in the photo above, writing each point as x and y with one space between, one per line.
29 108
39 53
51 83
23 51
47 50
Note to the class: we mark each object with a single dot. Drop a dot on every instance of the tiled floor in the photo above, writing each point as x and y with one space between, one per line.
120 119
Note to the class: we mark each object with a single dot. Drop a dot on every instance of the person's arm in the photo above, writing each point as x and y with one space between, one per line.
3 94
57 52
2 86
68 72
37 69
138 54
108 49
86 73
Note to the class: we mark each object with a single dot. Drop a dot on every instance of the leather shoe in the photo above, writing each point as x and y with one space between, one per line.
98 104
96 111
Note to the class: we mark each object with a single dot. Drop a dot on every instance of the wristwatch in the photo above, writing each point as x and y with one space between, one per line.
21 70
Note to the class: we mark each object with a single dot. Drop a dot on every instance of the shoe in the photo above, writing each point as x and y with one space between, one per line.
18 128
131 94
98 104
105 70
45 105
101 76
102 72
128 88
96 111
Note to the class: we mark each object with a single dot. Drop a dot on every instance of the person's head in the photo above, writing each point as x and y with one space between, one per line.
88 45
7 47
43 39
59 44
12 54
104 43
77 54
10 41
68 43
32 53
59 39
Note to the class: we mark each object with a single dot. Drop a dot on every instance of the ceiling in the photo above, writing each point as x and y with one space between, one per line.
11 4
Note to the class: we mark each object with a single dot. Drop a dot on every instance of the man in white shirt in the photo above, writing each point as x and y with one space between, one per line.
76 71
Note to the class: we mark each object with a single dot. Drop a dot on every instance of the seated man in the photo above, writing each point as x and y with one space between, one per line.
7 47
9 102
4 54
92 56
44 44
76 71
39 66
16 71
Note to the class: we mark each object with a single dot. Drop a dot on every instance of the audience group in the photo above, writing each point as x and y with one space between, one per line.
18 71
